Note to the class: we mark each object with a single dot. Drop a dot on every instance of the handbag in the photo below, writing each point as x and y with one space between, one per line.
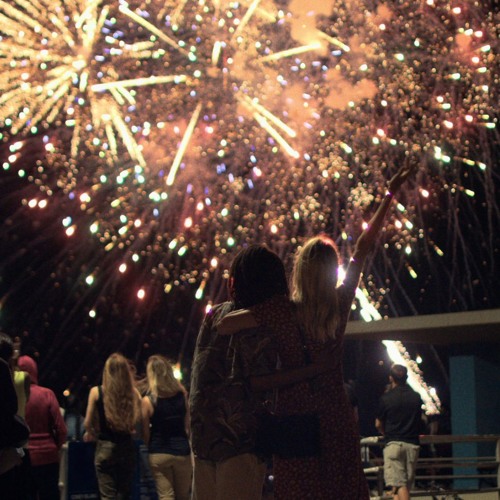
289 436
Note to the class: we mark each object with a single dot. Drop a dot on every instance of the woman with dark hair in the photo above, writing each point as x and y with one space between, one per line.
113 412
317 315
223 407
256 274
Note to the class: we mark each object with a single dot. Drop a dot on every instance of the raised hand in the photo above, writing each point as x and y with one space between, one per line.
409 167
367 238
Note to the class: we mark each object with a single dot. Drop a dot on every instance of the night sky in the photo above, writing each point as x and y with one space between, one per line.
124 199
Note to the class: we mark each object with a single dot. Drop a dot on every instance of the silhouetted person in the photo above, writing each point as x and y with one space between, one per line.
399 420
113 411
47 434
10 458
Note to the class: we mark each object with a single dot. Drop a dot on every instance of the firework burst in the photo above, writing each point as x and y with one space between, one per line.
197 127
54 58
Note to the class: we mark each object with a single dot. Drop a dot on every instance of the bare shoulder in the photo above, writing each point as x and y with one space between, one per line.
94 394
146 402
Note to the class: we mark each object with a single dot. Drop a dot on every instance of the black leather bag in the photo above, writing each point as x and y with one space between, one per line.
288 436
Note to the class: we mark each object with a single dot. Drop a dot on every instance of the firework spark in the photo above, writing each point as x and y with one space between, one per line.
209 125
54 67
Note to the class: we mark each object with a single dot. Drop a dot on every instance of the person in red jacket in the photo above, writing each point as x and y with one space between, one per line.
47 434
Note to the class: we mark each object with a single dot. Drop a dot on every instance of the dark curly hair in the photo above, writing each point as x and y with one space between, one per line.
257 274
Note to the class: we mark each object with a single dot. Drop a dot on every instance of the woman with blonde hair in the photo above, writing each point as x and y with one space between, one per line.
315 320
165 430
113 412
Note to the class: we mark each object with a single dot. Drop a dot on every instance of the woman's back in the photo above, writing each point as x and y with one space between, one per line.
113 411
106 431
168 430
164 420
337 473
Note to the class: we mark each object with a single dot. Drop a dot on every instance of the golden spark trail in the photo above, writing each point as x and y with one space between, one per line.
275 135
333 41
291 52
246 18
139 82
267 114
153 29
184 144
177 12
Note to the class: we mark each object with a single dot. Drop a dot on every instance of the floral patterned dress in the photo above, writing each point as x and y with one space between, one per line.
337 473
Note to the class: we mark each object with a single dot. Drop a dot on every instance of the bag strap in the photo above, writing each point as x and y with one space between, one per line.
307 359
305 350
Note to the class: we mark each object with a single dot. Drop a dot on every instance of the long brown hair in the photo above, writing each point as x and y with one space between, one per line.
161 379
120 398
314 287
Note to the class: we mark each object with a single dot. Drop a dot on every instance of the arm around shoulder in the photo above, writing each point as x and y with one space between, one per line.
235 321
283 378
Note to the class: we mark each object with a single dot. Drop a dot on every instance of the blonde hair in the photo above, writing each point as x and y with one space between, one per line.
314 287
121 402
161 379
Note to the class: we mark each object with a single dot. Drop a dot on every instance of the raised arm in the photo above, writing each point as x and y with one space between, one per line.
368 237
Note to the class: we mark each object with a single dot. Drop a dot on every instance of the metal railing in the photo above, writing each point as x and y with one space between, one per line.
437 475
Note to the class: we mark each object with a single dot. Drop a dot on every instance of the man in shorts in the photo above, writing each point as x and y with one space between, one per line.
399 420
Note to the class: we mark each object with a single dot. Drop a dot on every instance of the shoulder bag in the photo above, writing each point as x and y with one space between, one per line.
289 436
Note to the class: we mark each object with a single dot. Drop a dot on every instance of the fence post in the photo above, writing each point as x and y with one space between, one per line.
497 458
380 481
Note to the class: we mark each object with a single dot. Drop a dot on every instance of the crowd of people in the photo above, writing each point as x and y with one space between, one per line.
29 463
264 349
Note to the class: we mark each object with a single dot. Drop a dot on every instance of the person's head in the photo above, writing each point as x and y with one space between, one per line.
28 365
117 372
314 286
6 347
120 397
256 274
399 374
161 379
